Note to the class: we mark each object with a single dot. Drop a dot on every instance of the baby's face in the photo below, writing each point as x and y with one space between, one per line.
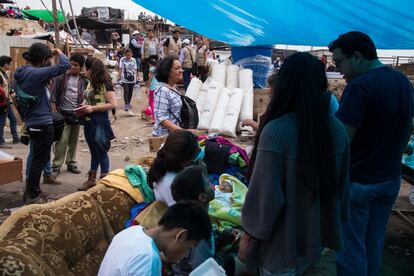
226 187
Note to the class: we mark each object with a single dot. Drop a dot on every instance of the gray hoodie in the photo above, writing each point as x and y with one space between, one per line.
33 81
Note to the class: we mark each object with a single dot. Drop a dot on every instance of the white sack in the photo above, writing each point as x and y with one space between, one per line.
209 106
194 88
202 95
231 117
246 111
220 111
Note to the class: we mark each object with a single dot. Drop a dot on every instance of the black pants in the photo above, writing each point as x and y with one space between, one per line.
41 139
146 66
128 90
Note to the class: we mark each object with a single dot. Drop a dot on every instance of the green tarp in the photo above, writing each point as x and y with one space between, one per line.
43 14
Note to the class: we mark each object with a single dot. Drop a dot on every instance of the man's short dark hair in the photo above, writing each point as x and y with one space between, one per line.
175 31
5 60
164 68
188 184
151 30
190 216
355 42
80 59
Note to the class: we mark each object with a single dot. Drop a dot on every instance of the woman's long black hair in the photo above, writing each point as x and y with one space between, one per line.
301 88
180 148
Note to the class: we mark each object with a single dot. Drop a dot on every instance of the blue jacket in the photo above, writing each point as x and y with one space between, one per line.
33 81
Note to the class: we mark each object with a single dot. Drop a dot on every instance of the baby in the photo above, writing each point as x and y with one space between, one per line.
226 186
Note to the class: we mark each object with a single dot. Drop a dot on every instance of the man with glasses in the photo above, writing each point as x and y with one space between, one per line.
377 109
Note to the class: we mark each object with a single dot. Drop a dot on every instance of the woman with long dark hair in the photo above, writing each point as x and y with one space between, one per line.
180 150
30 83
99 98
298 193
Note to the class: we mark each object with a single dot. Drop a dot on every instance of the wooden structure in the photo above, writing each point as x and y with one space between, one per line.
25 27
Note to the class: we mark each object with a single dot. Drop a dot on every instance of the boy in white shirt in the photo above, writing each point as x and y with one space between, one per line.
136 251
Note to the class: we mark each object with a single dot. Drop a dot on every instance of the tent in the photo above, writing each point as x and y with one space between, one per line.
46 15
390 23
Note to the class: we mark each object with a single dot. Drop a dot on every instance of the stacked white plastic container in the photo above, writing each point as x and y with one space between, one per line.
220 111
231 118
246 83
232 77
218 73
209 106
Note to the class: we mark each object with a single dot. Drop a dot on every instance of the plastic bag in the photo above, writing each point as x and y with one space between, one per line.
261 66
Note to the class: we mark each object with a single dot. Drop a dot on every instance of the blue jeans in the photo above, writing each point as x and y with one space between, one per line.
186 77
364 234
99 155
13 124
47 169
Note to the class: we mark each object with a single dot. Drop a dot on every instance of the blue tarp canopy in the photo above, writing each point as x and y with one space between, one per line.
390 23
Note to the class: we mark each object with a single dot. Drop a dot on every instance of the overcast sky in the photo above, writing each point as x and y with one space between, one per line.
131 8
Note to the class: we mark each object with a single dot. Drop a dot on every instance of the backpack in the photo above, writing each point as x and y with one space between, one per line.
189 113
24 101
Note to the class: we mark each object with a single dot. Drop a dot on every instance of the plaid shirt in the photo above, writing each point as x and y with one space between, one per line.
167 106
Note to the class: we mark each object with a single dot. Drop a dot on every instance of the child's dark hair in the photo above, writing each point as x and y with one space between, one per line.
37 53
179 149
152 62
5 60
80 59
188 184
188 215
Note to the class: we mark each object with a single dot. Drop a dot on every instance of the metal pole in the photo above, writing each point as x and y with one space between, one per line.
56 24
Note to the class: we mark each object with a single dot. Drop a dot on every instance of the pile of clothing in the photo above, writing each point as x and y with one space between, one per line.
223 156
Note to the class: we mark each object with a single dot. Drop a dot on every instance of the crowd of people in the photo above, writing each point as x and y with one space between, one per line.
320 175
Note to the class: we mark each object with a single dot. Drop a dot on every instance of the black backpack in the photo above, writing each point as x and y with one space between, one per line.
189 113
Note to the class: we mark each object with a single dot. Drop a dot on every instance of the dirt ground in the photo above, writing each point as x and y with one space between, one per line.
132 142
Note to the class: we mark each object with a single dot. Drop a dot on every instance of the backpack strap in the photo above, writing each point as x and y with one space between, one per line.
181 97
191 56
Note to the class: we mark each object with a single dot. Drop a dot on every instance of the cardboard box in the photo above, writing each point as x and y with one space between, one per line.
11 171
155 143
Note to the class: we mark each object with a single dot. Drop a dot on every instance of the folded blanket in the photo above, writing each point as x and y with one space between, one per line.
151 215
118 179
138 178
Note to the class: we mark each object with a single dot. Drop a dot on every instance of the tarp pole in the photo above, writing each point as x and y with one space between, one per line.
66 21
74 23
56 24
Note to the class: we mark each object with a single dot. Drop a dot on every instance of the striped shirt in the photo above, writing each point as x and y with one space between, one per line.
167 106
